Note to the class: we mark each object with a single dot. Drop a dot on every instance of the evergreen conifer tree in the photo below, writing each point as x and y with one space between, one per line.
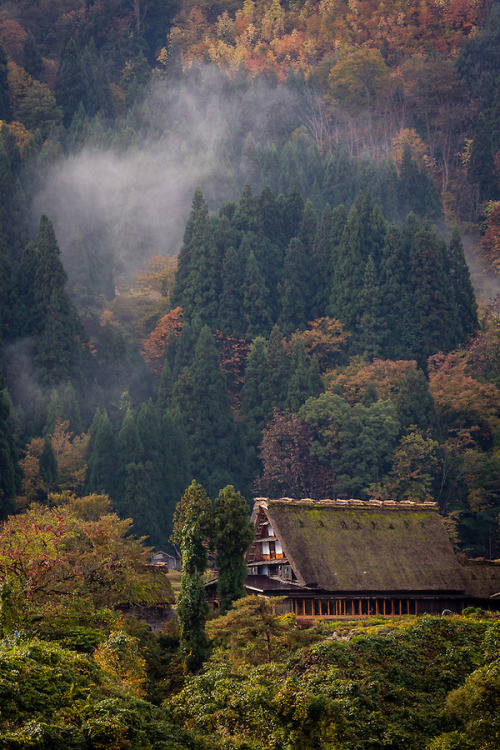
348 277
102 463
191 532
415 404
434 308
32 59
464 293
10 474
5 109
299 385
233 532
230 318
278 372
295 300
58 347
72 80
256 308
372 330
321 269
202 406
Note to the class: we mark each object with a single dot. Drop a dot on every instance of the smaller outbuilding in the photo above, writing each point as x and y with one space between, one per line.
171 559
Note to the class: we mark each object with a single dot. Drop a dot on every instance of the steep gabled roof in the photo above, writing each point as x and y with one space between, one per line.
351 545
482 577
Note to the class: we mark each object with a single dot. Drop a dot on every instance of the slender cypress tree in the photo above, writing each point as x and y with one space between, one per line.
295 300
278 373
191 532
256 307
372 330
10 474
233 532
299 385
202 406
464 293
32 59
102 464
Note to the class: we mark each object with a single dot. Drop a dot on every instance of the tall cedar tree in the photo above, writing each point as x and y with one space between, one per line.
256 307
202 406
255 405
72 80
102 462
10 475
464 293
232 534
435 309
191 533
58 348
197 282
299 384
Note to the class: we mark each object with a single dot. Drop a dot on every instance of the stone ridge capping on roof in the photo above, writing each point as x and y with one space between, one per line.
401 505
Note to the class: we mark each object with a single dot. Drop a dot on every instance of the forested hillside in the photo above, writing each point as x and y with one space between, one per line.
253 244
232 249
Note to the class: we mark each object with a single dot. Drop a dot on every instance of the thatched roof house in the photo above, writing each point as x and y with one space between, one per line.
350 557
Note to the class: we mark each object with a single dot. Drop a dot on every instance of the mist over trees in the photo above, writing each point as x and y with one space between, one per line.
245 248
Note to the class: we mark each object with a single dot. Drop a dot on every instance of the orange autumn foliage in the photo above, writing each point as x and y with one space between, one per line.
166 329
386 375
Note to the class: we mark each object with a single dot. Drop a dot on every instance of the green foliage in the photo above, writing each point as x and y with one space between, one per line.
192 524
55 698
232 534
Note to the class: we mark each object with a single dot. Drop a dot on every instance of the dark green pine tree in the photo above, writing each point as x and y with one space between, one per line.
256 306
32 59
340 181
230 318
198 284
165 388
6 297
278 372
371 331
316 381
415 405
191 534
255 407
434 309
464 293
156 521
72 80
348 277
233 532
272 218
201 405
57 348
299 385
247 216
292 214
58 344
10 473
295 300
409 184
481 166
102 464
389 184
129 454
5 109
176 469
395 294
321 269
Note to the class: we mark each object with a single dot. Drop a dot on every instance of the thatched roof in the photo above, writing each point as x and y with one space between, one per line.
482 577
356 546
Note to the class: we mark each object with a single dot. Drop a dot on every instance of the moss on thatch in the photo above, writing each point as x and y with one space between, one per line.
360 546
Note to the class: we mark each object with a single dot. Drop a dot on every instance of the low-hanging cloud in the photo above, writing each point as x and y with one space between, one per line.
130 204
